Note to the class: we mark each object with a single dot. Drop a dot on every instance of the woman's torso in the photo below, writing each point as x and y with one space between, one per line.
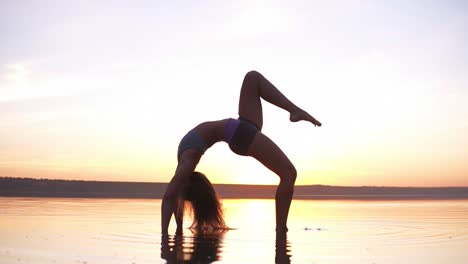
211 131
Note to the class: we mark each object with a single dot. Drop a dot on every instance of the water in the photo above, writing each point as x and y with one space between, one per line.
56 230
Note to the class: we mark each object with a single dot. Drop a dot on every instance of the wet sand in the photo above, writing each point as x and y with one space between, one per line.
74 230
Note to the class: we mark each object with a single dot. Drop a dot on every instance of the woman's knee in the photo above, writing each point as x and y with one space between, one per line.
252 76
293 173
290 175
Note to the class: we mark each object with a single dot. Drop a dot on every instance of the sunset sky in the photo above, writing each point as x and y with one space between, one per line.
105 90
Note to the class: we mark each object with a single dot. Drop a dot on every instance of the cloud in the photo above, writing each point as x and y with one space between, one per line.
15 72
26 80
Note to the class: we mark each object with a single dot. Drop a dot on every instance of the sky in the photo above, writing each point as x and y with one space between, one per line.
105 90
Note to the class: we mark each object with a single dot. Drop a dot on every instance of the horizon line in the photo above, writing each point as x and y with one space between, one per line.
259 184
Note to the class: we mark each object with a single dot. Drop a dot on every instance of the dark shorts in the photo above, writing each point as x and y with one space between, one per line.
243 135
192 140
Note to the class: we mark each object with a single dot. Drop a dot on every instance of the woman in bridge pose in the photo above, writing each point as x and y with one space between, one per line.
189 188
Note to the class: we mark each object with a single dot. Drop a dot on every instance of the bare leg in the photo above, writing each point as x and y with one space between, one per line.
270 155
254 87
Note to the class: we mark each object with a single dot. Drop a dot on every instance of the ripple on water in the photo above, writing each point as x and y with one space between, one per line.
128 238
394 234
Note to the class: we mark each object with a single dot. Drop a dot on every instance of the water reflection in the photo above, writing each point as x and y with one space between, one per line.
207 248
55 230
198 248
282 249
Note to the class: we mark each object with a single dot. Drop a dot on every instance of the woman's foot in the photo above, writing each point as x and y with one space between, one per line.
300 114
281 230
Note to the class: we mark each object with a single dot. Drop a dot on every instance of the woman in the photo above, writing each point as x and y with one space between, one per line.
245 138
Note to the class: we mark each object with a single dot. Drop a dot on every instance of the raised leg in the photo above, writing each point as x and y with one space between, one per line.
254 87
269 154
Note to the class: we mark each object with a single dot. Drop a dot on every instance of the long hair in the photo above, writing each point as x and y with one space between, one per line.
201 199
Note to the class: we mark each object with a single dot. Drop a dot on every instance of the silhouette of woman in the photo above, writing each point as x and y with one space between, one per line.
244 136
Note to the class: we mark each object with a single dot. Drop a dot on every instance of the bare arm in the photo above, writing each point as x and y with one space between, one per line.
187 164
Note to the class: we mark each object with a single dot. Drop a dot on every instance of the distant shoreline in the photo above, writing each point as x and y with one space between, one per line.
29 187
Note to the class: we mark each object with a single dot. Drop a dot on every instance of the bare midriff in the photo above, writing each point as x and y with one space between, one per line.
211 131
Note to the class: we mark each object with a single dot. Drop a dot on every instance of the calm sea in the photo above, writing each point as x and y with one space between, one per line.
56 230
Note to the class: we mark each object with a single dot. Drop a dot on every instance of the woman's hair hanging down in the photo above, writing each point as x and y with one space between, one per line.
200 198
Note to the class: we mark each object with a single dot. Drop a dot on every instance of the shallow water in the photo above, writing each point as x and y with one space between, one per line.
56 230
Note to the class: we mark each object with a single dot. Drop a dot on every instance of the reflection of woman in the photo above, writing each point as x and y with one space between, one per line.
206 247
201 248
282 249
245 138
